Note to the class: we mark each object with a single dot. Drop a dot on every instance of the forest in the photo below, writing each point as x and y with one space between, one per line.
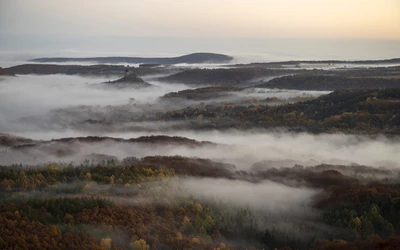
357 111
141 206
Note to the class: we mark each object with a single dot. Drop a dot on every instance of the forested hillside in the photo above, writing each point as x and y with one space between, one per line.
357 111
141 206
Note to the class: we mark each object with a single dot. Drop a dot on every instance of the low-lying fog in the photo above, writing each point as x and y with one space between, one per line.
33 95
261 196
258 206
56 101
262 93
240 148
81 99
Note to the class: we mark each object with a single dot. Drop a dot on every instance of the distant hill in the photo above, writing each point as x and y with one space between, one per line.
131 80
224 76
4 72
190 58
97 70
206 93
7 140
295 63
330 82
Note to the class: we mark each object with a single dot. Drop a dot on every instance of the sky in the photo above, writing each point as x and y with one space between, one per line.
66 24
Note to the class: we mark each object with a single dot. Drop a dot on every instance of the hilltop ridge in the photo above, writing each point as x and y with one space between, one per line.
190 59
132 80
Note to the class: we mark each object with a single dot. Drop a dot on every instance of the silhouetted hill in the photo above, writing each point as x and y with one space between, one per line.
8 140
294 63
330 82
203 93
48 69
230 76
131 80
191 58
191 166
4 72
19 143
374 77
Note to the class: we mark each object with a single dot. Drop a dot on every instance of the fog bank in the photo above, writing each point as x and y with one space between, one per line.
242 149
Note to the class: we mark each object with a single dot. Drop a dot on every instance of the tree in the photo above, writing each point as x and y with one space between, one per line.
88 176
106 243
269 240
69 218
140 245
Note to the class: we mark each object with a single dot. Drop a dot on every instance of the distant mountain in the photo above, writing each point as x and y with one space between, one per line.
191 58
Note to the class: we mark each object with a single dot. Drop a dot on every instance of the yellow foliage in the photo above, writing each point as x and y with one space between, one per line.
89 185
140 245
54 231
186 220
221 247
106 243
149 171
179 235
69 218
198 208
195 241
88 177
332 119
53 167
356 223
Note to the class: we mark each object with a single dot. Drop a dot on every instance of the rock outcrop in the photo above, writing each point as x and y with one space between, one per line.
131 80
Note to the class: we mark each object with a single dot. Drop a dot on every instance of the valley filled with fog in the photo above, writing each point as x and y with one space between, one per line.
32 102
266 155
50 107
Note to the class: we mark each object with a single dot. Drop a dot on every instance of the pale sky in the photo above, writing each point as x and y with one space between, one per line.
263 29
365 19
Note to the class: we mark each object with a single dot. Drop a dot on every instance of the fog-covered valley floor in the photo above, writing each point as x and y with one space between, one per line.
60 102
